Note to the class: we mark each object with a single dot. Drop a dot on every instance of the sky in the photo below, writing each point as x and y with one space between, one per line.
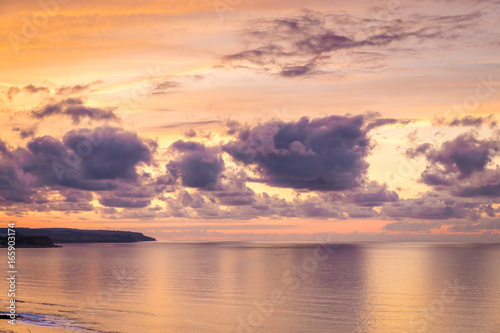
252 120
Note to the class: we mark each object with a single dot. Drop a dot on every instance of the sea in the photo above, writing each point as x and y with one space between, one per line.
255 287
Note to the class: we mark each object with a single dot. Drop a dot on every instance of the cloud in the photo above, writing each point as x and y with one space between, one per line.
74 196
466 121
164 87
315 42
101 159
490 190
374 195
74 108
4 149
30 89
197 166
191 133
235 198
326 154
124 203
76 89
376 123
433 206
115 153
12 188
67 207
12 91
477 227
184 146
298 70
411 226
455 160
26 132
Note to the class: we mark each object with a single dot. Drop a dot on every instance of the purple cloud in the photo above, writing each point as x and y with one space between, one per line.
326 154
455 160
197 167
101 159
74 108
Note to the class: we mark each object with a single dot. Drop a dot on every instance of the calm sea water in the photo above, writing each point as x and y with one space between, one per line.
226 287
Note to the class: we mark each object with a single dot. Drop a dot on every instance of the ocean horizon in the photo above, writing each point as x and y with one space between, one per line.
258 287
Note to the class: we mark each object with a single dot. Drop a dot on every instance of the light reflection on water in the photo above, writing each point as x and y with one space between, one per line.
166 287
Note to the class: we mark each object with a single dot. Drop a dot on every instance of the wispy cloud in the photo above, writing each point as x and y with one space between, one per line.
309 44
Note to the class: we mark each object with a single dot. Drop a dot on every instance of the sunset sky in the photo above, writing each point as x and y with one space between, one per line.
252 120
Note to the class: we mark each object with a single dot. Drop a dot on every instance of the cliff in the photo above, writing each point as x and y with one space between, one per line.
29 241
64 235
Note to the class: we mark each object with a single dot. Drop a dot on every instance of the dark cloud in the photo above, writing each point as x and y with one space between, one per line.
52 163
124 203
164 87
38 160
12 189
234 126
197 166
432 206
384 122
101 159
184 146
195 200
26 132
490 190
71 195
76 89
309 43
235 198
325 154
69 207
74 108
326 42
61 91
72 201
375 196
4 150
298 70
419 150
466 121
32 89
455 160
114 154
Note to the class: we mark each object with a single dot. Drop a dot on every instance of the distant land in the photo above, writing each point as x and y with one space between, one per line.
28 241
45 237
